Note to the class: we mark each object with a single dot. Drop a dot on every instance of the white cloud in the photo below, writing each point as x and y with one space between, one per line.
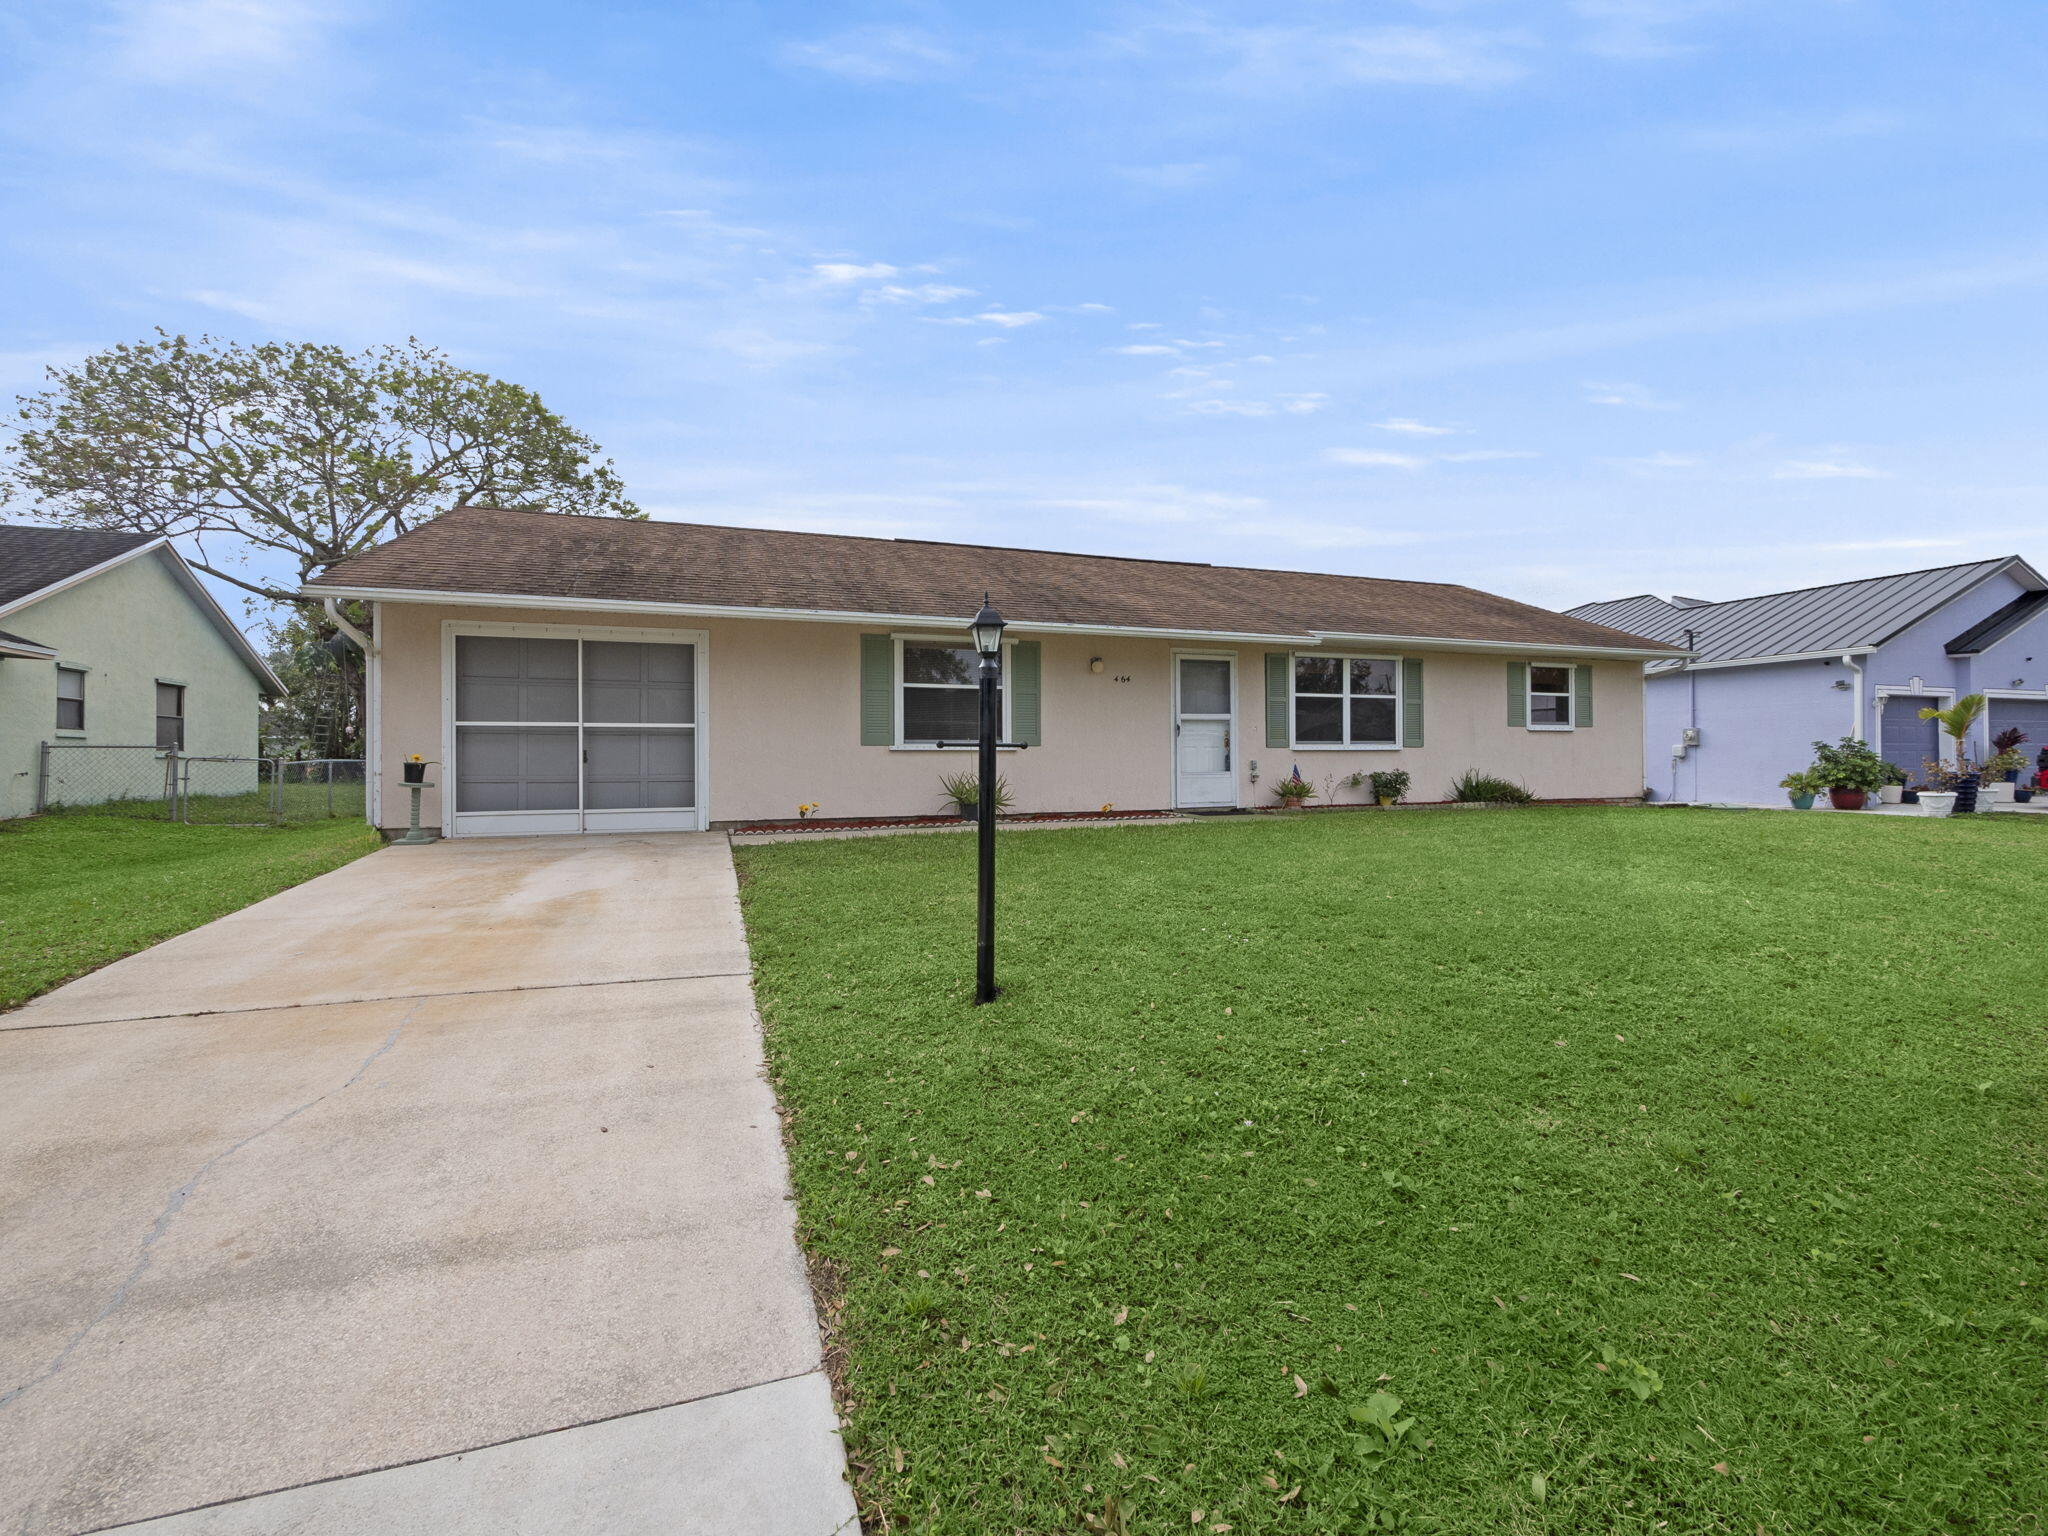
834 273
1280 59
1826 469
1303 404
183 39
1145 349
1410 425
1374 458
1486 455
1009 319
923 293
875 55
1231 408
1654 463
1631 396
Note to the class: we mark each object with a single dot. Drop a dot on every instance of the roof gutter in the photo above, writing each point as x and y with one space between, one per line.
1838 654
27 650
956 622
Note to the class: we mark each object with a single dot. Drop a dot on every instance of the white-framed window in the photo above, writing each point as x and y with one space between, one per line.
170 717
938 692
1550 696
1346 702
71 698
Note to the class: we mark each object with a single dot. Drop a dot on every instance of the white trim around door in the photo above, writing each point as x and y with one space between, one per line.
583 817
1198 737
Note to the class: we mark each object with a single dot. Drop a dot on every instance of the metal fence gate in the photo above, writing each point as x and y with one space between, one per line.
148 783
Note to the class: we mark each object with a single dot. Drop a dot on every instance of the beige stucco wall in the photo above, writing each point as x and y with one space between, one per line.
783 723
129 628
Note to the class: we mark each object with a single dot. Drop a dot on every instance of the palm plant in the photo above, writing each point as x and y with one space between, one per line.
1956 722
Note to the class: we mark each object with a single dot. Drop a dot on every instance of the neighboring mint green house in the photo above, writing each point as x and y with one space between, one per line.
109 639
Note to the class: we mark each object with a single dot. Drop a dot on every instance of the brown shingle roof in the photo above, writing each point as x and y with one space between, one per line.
492 552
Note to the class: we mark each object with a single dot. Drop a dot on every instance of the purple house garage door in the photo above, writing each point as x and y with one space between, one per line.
1907 742
2030 715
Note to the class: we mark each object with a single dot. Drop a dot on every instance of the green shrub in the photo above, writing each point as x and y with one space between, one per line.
1389 784
1474 787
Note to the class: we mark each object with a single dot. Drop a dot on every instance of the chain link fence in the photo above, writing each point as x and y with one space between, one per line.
155 785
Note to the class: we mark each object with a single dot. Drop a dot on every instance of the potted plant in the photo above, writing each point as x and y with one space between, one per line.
1389 785
1294 790
1956 721
1850 771
1893 790
963 789
1911 794
414 769
2005 751
1801 787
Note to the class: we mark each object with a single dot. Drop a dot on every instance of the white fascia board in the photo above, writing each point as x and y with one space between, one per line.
949 622
85 575
27 650
187 579
1508 647
1836 653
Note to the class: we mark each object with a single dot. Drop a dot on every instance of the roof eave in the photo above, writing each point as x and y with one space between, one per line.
954 621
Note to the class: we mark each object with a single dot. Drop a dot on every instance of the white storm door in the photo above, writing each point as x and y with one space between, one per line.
1204 690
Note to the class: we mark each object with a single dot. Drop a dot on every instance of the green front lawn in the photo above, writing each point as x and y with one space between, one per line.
78 890
1677 1170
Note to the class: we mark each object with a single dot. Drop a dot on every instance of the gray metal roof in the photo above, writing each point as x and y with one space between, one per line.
1847 616
1644 615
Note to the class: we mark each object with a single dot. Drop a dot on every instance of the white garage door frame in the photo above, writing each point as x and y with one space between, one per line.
535 823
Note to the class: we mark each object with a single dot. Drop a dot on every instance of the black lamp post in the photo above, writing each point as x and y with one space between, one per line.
987 629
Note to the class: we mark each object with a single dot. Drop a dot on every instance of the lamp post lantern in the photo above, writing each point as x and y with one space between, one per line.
987 629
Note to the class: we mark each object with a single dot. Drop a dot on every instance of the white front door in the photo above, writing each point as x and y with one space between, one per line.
567 730
1204 693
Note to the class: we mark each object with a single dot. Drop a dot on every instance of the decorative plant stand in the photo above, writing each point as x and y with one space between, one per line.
413 835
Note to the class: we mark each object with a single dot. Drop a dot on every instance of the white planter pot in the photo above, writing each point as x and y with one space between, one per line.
1891 794
1937 802
1997 794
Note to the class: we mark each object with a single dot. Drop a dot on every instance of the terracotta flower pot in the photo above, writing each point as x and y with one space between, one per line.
1848 799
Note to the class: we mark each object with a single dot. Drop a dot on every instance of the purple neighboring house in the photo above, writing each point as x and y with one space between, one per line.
1770 675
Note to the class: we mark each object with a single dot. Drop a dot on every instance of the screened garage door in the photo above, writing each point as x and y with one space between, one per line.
557 734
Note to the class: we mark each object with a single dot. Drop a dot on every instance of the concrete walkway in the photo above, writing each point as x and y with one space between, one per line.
442 1192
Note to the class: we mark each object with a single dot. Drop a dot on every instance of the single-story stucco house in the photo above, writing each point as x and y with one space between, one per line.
109 640
1771 675
590 674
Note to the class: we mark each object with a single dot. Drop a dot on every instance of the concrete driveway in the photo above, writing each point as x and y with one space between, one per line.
442 1193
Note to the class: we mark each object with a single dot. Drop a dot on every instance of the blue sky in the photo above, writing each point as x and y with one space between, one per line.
1565 300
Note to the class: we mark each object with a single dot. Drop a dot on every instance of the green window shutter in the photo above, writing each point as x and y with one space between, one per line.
1582 696
1411 701
1518 693
1279 729
1024 693
877 691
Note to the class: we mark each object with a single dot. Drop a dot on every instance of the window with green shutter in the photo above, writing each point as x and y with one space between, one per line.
877 691
1279 699
1025 670
1518 693
1411 701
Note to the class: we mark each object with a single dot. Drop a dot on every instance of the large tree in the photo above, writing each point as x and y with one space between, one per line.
305 451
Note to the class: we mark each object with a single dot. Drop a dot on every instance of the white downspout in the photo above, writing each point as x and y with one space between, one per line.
333 607
373 778
1855 696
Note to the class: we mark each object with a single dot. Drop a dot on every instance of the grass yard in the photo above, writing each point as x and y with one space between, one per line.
78 890
1676 1170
